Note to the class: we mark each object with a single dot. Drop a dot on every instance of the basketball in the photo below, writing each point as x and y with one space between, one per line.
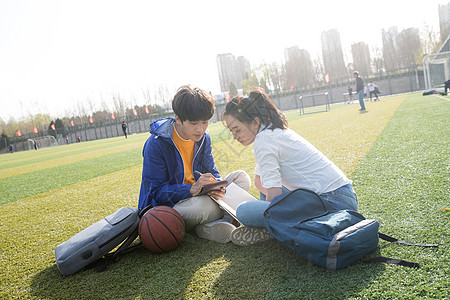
161 229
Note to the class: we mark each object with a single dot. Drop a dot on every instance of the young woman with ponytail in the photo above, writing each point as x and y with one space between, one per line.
284 161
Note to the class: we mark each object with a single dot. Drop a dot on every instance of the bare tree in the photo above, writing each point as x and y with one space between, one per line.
377 60
319 70
430 42
119 105
278 76
147 97
162 96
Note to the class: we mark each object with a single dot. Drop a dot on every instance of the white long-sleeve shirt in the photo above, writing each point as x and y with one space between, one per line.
285 158
371 87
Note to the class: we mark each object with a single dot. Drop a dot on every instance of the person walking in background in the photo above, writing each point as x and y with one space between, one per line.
360 90
350 95
373 90
446 86
124 128
10 148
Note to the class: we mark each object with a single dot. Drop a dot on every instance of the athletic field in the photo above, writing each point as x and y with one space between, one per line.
397 155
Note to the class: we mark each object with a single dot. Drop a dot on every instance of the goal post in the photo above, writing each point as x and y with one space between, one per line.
436 69
42 142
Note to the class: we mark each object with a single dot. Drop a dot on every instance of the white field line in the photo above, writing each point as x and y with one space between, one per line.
446 99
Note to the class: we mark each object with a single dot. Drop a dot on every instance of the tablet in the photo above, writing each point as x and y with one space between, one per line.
234 196
213 187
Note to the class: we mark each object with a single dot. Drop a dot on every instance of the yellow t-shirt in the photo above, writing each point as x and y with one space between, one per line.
186 148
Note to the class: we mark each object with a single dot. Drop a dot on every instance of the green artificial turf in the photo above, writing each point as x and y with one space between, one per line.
402 181
29 184
59 152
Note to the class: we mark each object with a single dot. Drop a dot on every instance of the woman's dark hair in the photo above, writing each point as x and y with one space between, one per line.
193 104
259 105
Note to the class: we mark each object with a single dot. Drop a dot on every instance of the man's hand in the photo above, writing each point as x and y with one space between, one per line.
202 180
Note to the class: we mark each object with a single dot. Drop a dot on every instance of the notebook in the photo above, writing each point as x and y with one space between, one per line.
234 196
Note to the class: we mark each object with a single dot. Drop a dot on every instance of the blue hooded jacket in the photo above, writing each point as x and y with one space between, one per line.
163 169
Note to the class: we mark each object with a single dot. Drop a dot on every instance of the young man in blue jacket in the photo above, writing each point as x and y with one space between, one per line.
178 162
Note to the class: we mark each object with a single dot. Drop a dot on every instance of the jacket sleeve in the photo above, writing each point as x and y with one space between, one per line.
359 84
157 185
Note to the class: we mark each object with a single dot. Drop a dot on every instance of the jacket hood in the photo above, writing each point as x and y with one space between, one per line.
162 127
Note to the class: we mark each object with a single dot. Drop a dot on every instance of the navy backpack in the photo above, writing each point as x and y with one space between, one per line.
332 239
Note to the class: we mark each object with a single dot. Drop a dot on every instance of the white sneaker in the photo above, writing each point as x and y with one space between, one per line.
244 236
218 231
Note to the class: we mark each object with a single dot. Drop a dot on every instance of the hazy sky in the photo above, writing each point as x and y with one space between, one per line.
54 54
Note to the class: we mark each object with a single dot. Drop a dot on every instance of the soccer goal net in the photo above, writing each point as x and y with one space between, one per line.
436 70
42 142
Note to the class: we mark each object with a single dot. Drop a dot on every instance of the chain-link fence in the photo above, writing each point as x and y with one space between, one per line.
389 83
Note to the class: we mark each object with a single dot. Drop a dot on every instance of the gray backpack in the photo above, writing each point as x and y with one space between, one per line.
92 245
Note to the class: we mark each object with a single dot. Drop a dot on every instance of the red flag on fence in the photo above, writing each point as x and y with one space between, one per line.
327 78
53 126
113 116
72 123
35 130
91 120
292 86
19 133
227 97
134 112
146 110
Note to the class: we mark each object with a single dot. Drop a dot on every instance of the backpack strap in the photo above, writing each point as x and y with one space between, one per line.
394 261
112 257
394 240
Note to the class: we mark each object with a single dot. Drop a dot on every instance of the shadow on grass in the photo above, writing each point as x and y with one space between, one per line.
204 269
273 271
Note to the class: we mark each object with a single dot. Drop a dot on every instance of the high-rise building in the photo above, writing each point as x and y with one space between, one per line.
409 46
361 58
444 20
333 56
299 66
231 70
390 40
244 67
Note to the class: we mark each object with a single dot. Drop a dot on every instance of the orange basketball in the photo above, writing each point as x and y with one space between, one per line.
161 229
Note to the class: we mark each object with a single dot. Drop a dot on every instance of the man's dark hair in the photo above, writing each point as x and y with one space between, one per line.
193 104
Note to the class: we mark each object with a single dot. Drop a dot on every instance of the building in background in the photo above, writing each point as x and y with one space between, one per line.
390 39
299 66
333 57
444 20
361 58
232 70
409 46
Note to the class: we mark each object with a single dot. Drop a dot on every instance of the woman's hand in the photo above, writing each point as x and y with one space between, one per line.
259 186
272 193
